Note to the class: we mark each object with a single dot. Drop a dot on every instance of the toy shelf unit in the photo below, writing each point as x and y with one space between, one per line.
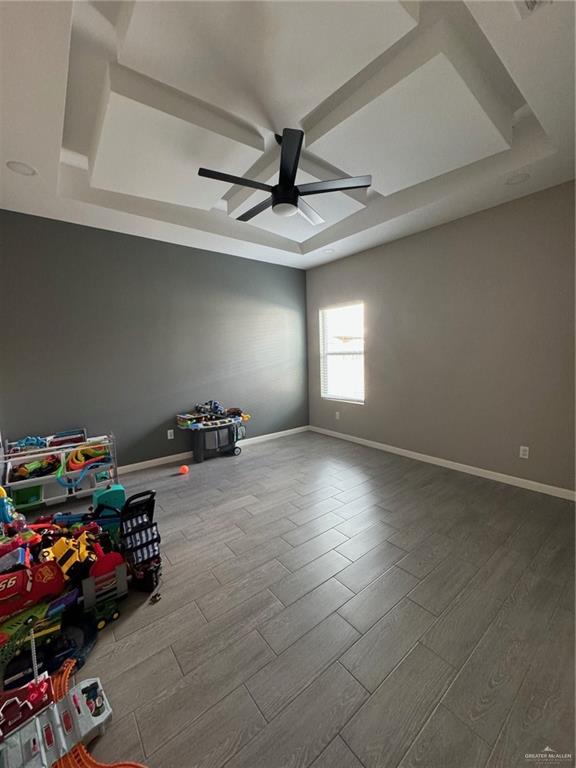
53 468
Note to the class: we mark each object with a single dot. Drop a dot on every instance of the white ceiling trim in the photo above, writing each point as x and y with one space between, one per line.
535 54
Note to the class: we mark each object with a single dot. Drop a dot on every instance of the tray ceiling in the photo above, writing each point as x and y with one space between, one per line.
442 102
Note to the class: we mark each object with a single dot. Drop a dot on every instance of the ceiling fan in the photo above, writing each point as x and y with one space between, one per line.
286 197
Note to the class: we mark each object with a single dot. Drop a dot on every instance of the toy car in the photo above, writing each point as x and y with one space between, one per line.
25 588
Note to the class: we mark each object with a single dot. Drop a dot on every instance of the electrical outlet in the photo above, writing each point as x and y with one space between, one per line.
337 415
170 434
524 451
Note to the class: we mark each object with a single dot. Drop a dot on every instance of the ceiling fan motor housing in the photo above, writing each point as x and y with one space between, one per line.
284 201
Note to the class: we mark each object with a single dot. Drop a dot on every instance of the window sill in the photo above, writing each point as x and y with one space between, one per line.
343 400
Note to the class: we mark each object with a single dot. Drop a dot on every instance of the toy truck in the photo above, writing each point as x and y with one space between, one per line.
27 587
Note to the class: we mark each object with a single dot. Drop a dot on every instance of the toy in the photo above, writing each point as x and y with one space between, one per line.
26 538
18 558
45 723
31 442
107 518
72 555
19 706
75 640
214 429
183 470
25 588
7 510
140 540
9 516
83 460
210 413
101 594
85 457
107 562
46 617
113 497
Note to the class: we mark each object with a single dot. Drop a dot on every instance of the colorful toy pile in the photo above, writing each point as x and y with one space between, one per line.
210 414
47 465
65 574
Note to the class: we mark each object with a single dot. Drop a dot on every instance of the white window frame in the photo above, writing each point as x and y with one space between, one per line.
324 354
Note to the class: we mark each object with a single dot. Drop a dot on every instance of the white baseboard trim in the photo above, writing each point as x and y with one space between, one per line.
150 463
520 482
274 435
186 457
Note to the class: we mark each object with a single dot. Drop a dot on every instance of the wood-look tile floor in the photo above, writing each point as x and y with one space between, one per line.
333 606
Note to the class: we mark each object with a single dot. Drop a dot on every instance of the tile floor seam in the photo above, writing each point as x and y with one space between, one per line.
266 720
177 661
138 732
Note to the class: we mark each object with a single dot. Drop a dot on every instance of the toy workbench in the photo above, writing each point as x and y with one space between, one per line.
215 430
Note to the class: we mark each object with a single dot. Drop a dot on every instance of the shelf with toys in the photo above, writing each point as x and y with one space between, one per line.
53 468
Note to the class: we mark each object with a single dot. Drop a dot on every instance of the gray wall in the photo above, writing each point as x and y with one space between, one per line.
469 339
120 333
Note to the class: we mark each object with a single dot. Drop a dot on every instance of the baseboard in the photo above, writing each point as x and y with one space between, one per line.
520 482
186 457
150 463
274 435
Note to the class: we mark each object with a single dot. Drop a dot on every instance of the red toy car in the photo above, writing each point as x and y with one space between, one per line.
25 588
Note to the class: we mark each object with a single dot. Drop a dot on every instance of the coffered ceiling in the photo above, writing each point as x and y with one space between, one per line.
446 104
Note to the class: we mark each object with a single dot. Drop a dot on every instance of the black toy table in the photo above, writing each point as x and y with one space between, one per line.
211 440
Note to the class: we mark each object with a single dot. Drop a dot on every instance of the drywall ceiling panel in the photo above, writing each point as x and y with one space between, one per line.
333 207
150 153
270 63
426 125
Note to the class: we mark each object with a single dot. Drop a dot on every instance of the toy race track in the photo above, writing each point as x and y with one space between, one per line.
79 757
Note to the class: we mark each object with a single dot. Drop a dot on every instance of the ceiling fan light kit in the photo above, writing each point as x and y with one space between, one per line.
286 197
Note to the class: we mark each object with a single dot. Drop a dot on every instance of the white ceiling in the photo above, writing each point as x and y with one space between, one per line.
427 124
117 104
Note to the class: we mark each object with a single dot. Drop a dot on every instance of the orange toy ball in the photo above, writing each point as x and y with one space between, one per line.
184 469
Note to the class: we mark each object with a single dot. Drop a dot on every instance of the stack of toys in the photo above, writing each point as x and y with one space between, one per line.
211 414
47 465
65 574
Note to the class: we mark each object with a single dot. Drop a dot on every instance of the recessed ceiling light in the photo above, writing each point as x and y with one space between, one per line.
517 178
328 250
22 168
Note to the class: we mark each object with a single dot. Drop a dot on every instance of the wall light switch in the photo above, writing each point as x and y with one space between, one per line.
337 415
170 434
524 451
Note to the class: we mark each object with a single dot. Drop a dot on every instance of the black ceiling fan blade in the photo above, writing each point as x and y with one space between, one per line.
309 213
290 156
334 185
234 179
255 210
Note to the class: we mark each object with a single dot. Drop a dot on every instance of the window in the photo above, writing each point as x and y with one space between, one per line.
342 353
